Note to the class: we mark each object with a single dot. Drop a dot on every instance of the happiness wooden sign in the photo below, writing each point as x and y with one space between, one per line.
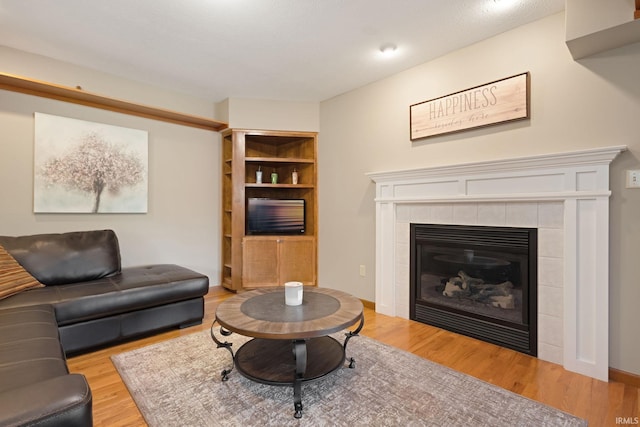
496 102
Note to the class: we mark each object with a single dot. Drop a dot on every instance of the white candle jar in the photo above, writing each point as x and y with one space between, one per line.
293 293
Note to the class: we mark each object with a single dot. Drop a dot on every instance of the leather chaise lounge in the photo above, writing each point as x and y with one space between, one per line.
88 300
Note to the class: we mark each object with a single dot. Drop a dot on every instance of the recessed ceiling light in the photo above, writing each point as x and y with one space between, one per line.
388 49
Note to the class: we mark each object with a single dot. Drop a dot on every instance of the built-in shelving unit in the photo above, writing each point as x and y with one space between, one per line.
251 261
78 96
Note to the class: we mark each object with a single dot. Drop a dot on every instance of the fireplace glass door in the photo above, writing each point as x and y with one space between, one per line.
478 281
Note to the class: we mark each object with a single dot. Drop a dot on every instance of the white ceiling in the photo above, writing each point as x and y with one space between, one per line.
297 50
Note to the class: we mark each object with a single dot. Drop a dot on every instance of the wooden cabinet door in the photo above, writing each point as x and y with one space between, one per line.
275 260
260 260
297 260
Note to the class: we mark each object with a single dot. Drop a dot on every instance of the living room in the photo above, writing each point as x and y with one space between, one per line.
584 104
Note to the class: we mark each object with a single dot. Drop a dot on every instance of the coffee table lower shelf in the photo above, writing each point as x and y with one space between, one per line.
273 361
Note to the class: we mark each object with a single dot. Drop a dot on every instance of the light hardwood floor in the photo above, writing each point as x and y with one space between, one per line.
598 402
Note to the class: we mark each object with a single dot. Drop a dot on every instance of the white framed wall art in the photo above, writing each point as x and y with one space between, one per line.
87 167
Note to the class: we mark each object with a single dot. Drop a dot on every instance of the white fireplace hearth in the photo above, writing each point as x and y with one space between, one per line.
564 195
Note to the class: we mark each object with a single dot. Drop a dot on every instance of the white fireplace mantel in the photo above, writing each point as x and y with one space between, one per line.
577 182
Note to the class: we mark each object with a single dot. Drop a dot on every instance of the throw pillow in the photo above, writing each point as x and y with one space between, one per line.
13 278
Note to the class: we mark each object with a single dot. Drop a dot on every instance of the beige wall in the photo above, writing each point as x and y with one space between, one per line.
182 225
271 114
574 105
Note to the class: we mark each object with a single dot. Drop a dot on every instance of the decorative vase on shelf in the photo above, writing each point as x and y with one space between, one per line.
274 177
259 176
294 176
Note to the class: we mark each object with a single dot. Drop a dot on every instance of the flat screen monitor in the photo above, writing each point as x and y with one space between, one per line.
275 216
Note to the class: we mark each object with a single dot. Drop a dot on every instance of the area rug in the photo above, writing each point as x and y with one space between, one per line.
178 383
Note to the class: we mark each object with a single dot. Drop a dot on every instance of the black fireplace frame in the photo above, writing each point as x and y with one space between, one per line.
504 333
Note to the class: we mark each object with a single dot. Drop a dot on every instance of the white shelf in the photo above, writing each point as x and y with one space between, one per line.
603 40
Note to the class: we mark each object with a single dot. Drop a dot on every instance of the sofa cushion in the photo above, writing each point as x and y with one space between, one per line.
136 288
30 350
56 259
60 401
36 388
13 278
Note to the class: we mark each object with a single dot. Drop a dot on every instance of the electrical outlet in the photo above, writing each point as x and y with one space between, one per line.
633 179
362 270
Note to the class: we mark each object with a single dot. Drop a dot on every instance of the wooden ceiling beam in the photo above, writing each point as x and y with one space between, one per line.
78 96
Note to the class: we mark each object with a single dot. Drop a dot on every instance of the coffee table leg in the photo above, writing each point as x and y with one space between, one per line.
300 353
225 372
349 335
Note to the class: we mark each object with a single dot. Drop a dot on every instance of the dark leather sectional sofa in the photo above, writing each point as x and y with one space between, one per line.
88 300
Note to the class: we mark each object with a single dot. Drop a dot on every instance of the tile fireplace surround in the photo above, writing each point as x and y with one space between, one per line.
564 195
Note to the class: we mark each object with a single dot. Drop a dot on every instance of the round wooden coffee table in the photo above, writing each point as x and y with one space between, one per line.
291 344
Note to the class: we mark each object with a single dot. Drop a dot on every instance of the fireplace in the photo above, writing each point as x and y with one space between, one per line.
479 281
565 196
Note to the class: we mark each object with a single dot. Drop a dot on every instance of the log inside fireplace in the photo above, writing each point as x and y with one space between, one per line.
478 281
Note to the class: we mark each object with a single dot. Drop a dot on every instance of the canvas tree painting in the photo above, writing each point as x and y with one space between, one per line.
86 167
